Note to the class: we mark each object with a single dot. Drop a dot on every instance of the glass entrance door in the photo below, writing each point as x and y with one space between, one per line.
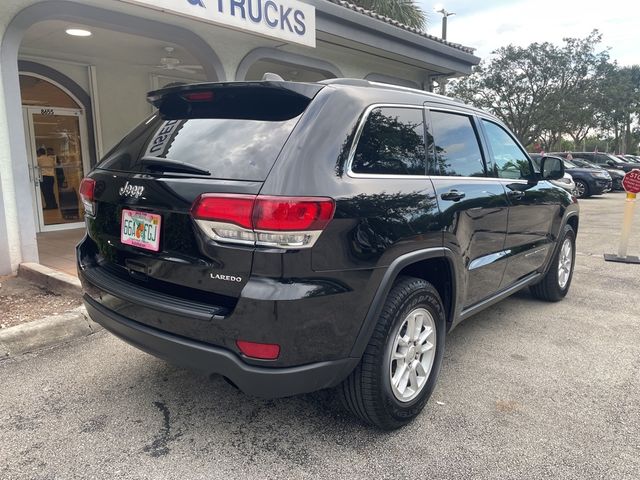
58 161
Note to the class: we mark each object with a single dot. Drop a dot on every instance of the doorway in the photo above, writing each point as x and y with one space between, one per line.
57 153
58 159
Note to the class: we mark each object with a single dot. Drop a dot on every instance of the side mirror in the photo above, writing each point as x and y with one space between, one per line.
611 163
551 168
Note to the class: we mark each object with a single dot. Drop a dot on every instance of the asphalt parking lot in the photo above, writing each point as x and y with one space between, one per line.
527 390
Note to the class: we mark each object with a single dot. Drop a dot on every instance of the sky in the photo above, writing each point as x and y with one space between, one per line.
490 24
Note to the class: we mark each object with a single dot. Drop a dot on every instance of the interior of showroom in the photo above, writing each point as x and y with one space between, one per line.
75 76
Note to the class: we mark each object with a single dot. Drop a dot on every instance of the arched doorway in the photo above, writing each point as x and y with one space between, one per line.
57 151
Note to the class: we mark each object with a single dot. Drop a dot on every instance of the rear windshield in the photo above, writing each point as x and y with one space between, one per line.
238 149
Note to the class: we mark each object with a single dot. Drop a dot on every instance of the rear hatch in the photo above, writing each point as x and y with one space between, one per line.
220 139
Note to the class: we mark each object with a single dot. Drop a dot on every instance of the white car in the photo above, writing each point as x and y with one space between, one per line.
566 182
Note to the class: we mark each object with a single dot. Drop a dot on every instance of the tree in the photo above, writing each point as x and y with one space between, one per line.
514 85
541 91
577 86
403 11
619 99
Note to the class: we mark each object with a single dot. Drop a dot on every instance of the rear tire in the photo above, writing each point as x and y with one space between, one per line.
398 370
555 284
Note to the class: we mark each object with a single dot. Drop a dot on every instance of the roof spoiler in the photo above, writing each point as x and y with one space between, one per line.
262 100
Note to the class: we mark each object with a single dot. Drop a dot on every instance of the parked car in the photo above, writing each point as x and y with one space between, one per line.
615 173
632 159
604 160
298 236
565 182
587 181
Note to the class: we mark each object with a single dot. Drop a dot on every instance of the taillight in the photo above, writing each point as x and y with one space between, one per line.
236 209
264 351
87 192
292 214
281 222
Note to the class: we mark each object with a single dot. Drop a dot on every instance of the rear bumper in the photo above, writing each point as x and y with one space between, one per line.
266 382
314 319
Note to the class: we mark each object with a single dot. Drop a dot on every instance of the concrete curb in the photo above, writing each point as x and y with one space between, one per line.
46 332
54 280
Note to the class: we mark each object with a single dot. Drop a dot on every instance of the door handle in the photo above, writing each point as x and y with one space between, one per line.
515 194
37 175
453 195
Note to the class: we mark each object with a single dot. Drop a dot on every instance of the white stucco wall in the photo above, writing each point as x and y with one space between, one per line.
17 239
121 97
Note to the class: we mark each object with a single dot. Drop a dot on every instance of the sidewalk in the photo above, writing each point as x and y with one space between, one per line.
56 273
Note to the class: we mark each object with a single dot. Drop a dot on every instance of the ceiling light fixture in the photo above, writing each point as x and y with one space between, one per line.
78 32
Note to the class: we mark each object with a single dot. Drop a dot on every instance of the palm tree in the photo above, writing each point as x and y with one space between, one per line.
404 11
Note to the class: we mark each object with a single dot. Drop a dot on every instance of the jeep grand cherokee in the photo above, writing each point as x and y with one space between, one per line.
298 236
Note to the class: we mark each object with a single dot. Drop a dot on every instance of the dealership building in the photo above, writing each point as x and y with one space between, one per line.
74 77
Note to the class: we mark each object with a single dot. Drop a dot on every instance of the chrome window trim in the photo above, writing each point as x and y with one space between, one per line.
453 109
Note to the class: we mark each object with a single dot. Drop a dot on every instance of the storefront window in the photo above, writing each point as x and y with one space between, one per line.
38 92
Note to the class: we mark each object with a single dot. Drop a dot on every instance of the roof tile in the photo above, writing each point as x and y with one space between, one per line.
395 23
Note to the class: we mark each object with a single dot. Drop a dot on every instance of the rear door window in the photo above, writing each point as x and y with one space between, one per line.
391 143
456 148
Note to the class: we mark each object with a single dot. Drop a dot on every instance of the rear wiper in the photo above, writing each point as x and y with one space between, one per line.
168 165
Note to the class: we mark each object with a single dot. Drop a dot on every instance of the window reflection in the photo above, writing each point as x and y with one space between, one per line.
509 161
391 143
457 152
228 148
238 149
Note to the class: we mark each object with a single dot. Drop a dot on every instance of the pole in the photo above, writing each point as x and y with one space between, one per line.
444 26
626 224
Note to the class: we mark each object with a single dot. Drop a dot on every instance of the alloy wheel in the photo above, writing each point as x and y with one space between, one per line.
565 263
412 355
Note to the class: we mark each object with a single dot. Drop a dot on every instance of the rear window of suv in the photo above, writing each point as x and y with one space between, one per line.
227 148
231 131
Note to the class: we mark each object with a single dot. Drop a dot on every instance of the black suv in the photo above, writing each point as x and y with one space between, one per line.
298 236
613 165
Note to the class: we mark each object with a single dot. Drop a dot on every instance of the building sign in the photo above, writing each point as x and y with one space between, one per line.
288 20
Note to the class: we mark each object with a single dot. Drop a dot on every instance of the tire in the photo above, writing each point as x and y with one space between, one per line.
617 185
555 285
368 392
582 189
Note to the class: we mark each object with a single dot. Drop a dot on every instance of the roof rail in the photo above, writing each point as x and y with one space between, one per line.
357 82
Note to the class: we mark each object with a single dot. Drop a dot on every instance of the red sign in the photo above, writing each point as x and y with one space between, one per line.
631 181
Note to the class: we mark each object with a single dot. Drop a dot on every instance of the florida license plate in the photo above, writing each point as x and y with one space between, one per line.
140 229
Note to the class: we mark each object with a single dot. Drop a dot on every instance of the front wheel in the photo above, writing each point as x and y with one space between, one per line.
555 284
398 371
582 189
